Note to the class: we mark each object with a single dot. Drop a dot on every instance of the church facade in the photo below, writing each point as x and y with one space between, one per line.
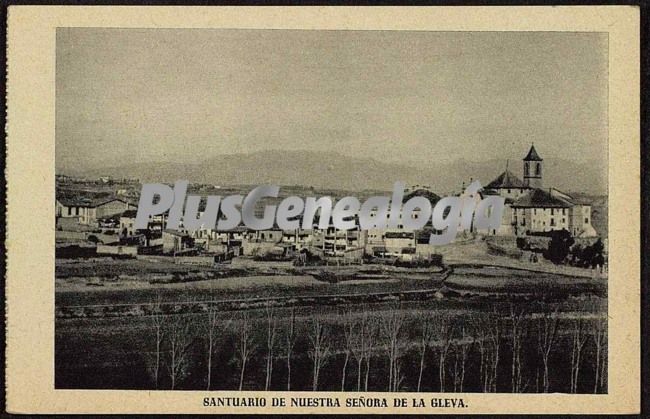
531 208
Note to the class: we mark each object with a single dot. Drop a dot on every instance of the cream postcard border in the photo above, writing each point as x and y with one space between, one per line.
31 191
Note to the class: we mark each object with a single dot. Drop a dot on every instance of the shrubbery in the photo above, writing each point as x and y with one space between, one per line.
559 246
588 256
562 248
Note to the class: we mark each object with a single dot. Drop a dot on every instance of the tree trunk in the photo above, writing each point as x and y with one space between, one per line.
390 373
345 365
367 373
421 367
157 369
359 361
462 371
241 374
545 379
314 384
173 368
209 361
288 370
441 372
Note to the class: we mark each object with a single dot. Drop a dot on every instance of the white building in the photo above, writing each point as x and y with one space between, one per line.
532 209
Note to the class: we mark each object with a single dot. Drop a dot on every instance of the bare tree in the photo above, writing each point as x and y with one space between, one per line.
180 339
349 337
212 328
399 377
158 322
271 326
600 341
517 332
319 338
444 334
370 333
461 350
426 335
391 325
358 344
547 328
494 337
245 344
579 337
290 343
211 332
487 332
480 333
599 336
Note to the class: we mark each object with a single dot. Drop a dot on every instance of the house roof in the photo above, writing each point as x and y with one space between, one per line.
432 197
87 200
129 214
75 201
538 198
532 155
174 232
506 180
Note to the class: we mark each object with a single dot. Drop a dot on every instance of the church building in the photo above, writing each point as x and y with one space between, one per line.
532 208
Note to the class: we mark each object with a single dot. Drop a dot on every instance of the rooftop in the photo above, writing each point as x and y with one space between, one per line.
539 198
532 155
506 179
432 197
89 202
129 213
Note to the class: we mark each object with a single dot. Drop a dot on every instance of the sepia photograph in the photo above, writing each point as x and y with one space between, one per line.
323 210
521 308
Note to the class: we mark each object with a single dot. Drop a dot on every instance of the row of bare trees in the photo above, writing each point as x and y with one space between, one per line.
360 336
174 333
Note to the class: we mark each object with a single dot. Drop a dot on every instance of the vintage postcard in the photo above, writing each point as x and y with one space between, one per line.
292 210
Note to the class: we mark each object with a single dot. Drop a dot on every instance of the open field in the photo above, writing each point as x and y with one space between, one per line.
287 281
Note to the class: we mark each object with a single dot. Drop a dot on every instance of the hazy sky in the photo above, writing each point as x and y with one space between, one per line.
130 95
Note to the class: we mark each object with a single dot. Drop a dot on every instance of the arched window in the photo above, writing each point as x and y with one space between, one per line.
538 169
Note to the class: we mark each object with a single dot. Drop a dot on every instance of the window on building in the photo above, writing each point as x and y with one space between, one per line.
563 211
508 190
552 212
526 169
586 220
69 210
538 169
552 221
76 211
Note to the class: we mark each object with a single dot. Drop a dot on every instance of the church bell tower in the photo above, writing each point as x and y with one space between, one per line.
533 169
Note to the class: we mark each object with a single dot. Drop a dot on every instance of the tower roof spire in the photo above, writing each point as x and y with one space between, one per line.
532 154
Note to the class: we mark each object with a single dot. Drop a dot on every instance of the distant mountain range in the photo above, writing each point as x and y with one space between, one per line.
337 171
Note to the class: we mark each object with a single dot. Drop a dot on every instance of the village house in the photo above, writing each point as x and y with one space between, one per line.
127 223
87 210
399 242
299 238
175 242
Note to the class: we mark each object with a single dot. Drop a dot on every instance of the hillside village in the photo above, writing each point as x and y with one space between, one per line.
96 217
